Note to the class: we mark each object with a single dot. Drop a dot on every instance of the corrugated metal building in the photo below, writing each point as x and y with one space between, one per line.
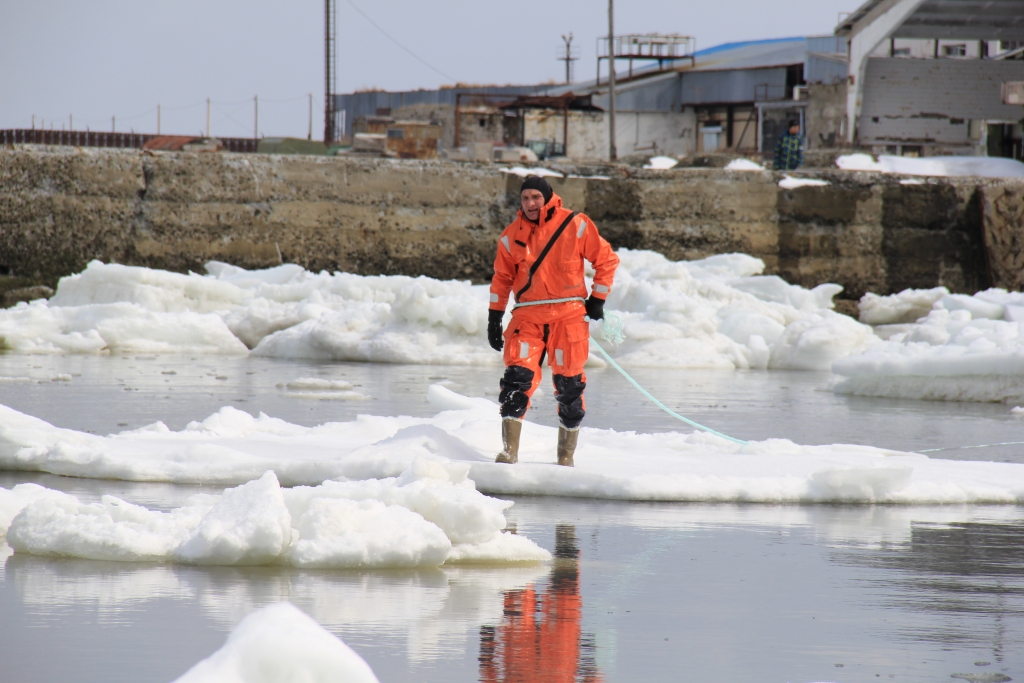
735 96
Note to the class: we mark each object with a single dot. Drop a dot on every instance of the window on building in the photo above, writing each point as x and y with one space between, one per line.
954 50
483 123
901 52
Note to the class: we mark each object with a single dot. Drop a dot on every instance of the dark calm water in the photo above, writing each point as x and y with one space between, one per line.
637 592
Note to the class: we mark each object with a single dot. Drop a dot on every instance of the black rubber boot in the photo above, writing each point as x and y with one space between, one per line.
511 428
567 445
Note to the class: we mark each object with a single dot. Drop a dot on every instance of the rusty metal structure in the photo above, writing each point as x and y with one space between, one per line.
413 139
330 69
516 104
644 47
80 138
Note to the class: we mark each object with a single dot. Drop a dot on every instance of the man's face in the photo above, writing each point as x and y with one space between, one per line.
793 130
533 202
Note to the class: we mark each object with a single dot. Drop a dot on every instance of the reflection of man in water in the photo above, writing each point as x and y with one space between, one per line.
540 636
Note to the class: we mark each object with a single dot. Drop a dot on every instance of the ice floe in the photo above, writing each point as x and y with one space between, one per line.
429 515
322 389
421 458
716 312
281 643
986 167
940 346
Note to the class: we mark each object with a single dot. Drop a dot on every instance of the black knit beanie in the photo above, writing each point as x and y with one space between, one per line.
535 182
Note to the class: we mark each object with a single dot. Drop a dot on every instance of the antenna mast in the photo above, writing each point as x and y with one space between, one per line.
568 56
330 69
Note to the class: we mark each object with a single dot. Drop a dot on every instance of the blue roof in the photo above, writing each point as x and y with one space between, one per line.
752 54
747 43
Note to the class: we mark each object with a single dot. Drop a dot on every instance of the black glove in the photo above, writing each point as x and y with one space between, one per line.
494 337
595 308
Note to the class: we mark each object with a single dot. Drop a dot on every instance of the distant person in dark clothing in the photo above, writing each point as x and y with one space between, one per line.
788 155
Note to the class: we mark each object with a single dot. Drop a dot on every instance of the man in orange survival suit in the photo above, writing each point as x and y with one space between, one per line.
540 260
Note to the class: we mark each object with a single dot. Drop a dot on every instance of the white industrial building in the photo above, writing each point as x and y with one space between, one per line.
926 76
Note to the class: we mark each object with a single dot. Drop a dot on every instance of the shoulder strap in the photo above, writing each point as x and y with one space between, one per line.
544 253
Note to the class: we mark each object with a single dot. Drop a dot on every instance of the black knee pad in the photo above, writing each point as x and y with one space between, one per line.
514 385
569 394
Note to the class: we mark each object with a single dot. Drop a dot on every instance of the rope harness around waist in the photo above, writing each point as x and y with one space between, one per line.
548 301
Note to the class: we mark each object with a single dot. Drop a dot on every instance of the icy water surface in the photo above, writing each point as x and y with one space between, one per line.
105 395
652 592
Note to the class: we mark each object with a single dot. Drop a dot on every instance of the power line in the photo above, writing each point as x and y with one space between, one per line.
393 40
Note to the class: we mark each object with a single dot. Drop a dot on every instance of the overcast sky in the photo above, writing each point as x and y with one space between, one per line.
94 59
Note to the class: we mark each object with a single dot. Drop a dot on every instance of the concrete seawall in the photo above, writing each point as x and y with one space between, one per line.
61 208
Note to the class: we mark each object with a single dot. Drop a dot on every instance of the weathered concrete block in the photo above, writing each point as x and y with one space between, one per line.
1003 219
115 174
59 208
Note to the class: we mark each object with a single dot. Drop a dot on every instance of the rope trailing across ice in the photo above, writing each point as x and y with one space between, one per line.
611 331
957 448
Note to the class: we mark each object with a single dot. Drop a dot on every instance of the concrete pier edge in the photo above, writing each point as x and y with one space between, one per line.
63 207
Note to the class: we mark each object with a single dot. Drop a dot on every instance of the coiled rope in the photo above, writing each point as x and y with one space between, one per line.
611 331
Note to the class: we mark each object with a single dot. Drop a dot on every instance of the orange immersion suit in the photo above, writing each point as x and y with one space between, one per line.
535 268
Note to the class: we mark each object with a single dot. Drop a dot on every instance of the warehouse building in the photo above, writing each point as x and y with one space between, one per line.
911 77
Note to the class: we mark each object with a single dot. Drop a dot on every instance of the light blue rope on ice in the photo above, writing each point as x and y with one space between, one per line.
611 331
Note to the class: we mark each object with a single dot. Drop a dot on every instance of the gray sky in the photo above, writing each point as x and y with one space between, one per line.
94 59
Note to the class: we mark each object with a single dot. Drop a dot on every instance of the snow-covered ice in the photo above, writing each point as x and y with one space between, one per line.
718 312
985 167
322 389
281 643
940 346
435 456
661 163
743 165
429 515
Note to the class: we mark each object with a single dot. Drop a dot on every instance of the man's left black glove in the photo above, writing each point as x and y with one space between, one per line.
494 337
595 308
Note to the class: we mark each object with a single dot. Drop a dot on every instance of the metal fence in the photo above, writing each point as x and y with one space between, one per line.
78 138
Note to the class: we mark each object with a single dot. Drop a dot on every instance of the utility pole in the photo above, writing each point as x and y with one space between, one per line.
330 68
256 117
568 58
158 119
33 121
612 154
71 122
207 117
309 135
113 124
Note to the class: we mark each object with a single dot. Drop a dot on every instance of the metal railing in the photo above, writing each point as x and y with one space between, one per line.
80 138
